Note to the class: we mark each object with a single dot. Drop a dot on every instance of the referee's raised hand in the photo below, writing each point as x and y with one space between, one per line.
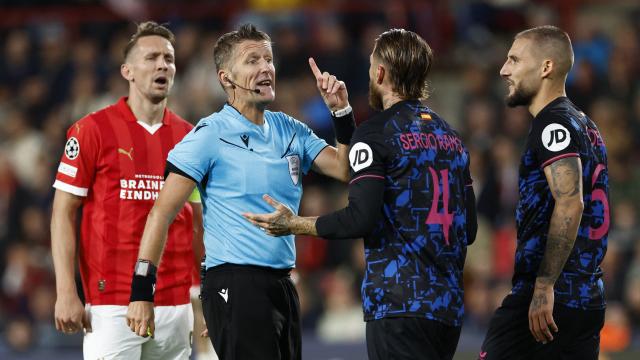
333 91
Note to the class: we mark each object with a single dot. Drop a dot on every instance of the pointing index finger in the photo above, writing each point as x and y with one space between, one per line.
314 68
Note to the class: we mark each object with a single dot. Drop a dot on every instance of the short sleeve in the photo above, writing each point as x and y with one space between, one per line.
76 171
196 153
554 137
367 154
468 180
311 144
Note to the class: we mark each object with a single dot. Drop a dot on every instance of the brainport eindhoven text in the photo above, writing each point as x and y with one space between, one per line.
144 187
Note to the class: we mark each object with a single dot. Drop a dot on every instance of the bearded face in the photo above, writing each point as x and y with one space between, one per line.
375 97
519 94
521 73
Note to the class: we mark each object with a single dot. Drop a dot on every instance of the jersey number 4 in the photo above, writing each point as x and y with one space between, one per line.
444 218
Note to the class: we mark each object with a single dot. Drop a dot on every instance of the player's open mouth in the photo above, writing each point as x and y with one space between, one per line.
161 80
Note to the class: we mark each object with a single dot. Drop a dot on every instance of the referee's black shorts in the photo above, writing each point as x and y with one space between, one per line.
508 337
252 312
411 338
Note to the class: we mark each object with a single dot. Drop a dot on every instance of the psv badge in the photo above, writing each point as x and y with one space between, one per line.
294 168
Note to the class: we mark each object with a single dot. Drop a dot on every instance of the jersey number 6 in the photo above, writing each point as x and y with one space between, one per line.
599 195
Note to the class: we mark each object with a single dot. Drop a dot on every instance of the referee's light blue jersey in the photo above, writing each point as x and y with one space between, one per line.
235 162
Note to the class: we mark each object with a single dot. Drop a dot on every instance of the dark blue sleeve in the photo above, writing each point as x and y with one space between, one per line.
367 158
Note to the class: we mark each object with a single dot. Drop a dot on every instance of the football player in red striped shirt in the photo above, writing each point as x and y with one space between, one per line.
113 166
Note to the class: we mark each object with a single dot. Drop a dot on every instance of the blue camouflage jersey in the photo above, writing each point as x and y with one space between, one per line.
416 251
561 130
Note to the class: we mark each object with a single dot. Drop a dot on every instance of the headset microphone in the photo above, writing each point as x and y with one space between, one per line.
233 85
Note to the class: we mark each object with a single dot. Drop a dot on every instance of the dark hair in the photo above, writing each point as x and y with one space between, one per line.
409 60
224 46
553 42
148 28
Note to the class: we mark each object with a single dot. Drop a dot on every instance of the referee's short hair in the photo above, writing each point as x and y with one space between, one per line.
408 59
223 49
148 28
551 42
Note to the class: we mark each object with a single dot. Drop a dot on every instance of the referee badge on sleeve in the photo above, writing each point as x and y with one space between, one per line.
294 168
72 148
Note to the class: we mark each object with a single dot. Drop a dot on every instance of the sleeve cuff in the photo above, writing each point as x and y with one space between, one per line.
322 224
170 168
556 158
78 191
342 112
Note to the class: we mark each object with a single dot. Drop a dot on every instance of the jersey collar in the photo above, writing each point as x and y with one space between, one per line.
401 104
128 115
551 105
230 110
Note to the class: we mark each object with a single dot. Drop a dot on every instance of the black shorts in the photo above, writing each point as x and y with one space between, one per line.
252 312
508 337
406 338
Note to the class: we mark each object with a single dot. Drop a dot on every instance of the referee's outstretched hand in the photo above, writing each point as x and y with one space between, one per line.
333 91
277 223
140 318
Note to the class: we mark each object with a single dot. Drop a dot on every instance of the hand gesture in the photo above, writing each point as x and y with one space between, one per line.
70 316
277 223
140 318
541 313
334 92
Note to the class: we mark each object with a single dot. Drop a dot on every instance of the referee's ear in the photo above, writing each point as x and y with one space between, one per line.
223 79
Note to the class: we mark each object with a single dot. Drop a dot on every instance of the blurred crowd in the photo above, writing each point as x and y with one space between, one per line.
53 71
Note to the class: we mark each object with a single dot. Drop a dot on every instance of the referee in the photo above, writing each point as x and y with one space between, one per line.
411 199
234 156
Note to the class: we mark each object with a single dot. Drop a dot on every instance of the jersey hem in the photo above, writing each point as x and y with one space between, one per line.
592 307
414 315
184 301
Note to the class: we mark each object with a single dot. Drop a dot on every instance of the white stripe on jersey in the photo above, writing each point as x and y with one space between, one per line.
70 188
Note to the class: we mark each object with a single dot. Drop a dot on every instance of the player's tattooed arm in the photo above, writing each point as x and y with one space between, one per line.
282 221
304 225
565 182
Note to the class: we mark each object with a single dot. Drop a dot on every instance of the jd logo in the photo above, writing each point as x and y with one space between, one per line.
360 156
555 137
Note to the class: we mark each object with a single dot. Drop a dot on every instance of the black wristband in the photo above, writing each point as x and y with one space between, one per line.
344 127
143 288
